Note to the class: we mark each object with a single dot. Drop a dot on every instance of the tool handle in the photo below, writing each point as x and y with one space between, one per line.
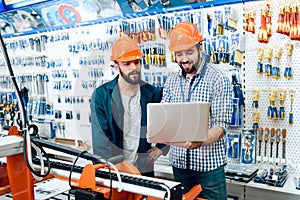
283 142
272 135
278 134
284 135
260 137
266 137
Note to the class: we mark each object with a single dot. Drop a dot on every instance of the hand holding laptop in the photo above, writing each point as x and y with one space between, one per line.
187 144
177 123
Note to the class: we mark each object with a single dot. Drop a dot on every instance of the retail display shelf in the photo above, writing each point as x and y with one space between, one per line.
244 190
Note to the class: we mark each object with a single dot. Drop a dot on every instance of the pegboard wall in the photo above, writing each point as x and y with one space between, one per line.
263 83
63 67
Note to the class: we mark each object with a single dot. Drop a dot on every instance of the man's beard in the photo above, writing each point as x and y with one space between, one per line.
187 71
130 80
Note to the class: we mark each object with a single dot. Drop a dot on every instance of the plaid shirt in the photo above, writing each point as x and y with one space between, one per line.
208 85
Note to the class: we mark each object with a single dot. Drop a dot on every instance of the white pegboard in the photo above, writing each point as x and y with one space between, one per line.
253 80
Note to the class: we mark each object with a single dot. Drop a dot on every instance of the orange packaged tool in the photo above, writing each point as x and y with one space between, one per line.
279 28
294 30
286 22
269 20
251 27
262 34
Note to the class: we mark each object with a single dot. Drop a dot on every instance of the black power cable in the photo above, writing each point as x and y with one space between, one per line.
74 163
22 109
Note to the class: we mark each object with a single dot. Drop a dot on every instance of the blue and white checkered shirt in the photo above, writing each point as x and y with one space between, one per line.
212 86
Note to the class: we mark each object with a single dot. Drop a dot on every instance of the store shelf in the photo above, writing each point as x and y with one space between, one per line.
40 8
241 190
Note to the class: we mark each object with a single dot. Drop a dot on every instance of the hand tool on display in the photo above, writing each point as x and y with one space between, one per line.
298 23
146 52
282 95
262 33
294 30
162 56
288 69
286 22
152 57
255 95
272 109
236 82
218 23
214 53
260 52
275 72
260 138
255 120
222 48
232 145
165 26
230 18
141 32
132 33
267 57
148 27
124 27
291 114
283 160
271 144
247 139
252 14
278 135
269 20
157 58
279 28
266 139
198 19
152 30
146 24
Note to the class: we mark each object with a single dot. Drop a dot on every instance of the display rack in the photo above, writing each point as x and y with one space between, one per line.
253 80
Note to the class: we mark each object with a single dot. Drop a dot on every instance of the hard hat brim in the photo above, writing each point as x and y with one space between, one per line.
130 58
182 47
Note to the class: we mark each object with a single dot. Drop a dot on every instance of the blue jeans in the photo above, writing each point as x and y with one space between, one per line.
213 183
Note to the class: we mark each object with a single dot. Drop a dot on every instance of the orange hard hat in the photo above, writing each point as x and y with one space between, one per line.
184 36
125 49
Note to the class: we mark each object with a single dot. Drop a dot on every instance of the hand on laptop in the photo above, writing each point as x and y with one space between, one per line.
153 154
187 144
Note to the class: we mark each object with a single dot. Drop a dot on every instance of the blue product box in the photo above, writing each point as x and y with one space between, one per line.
248 146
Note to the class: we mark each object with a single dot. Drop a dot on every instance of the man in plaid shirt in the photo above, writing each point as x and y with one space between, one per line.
199 162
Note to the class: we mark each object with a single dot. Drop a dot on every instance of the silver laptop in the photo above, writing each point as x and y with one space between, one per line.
177 122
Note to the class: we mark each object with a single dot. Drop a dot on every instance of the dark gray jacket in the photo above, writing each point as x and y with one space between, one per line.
107 121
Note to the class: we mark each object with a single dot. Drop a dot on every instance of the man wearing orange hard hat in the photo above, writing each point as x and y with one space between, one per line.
119 111
199 162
